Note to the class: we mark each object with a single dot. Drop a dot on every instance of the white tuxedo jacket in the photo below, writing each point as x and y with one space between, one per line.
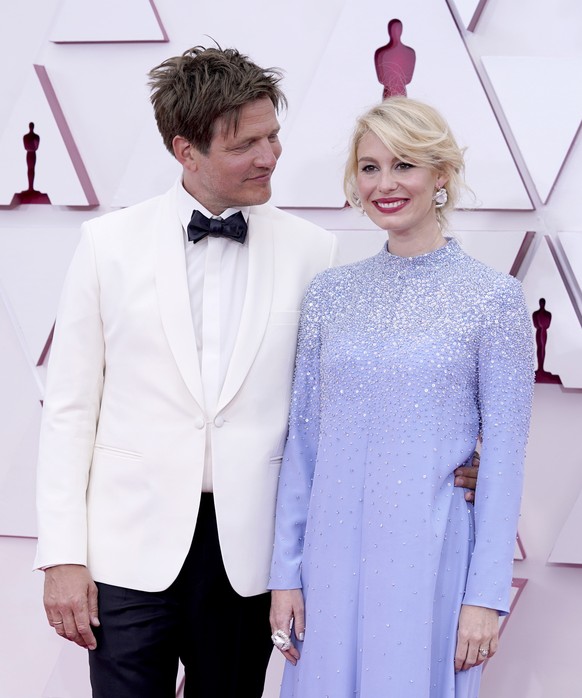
125 427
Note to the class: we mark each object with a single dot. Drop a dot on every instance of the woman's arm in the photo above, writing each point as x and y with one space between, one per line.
296 478
505 368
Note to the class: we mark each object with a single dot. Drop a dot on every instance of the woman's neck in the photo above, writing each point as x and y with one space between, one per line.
404 245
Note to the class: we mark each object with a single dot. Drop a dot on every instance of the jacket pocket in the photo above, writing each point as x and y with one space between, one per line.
119 452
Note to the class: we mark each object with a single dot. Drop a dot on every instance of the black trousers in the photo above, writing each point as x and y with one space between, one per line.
223 639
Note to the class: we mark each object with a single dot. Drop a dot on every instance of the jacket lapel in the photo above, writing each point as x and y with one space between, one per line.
256 307
174 296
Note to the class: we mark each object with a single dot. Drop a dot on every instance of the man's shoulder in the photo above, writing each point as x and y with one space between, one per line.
121 217
289 222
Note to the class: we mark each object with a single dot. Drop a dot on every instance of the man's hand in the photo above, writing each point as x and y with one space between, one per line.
466 476
70 602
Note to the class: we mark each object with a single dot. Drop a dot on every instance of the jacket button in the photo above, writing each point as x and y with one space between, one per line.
219 421
199 424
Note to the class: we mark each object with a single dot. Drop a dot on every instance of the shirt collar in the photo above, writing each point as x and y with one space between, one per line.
187 204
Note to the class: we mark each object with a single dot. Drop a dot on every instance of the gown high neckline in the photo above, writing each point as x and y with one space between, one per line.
450 250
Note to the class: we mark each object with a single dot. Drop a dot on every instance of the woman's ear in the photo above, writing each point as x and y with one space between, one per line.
441 181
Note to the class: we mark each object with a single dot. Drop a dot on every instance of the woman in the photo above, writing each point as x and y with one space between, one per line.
404 361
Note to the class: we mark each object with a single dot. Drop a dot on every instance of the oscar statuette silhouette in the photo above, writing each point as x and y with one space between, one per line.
542 319
394 62
31 142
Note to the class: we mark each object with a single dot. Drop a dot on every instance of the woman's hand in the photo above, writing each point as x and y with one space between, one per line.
477 636
287 611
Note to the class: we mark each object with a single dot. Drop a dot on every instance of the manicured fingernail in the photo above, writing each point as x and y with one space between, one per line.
301 636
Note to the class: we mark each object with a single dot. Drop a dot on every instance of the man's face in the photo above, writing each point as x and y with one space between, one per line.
238 167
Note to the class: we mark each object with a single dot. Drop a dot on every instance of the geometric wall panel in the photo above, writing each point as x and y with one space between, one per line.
18 482
517 587
58 170
542 101
315 139
30 648
564 335
67 136
98 21
150 157
519 549
496 248
568 546
572 245
470 11
70 675
33 287
19 424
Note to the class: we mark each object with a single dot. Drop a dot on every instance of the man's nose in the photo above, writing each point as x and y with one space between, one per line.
267 154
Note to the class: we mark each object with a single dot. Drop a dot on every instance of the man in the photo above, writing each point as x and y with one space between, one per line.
166 402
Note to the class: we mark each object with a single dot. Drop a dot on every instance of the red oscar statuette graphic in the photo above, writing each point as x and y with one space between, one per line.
542 319
31 142
394 62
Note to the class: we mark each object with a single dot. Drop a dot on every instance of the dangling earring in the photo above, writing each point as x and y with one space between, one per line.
440 197
357 201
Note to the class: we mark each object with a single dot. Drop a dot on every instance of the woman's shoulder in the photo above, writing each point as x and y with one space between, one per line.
490 280
342 273
337 284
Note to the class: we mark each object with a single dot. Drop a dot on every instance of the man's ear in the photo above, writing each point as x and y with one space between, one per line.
185 153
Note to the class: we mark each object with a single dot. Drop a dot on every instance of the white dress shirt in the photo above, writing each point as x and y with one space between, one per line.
217 271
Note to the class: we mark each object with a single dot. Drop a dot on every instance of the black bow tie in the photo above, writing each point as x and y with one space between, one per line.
234 227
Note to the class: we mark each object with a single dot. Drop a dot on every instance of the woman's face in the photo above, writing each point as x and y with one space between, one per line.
395 195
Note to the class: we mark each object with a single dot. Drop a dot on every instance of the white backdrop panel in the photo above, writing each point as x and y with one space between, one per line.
106 20
568 547
564 345
542 109
32 286
19 423
468 10
572 245
344 84
55 174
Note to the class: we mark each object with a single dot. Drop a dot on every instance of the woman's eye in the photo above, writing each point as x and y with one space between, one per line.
368 168
403 166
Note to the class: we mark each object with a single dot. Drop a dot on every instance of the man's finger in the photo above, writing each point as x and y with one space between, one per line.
93 605
84 633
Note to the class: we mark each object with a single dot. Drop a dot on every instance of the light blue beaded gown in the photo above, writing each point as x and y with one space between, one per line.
401 364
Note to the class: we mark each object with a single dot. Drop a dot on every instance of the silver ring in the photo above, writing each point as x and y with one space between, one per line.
281 640
483 652
57 622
